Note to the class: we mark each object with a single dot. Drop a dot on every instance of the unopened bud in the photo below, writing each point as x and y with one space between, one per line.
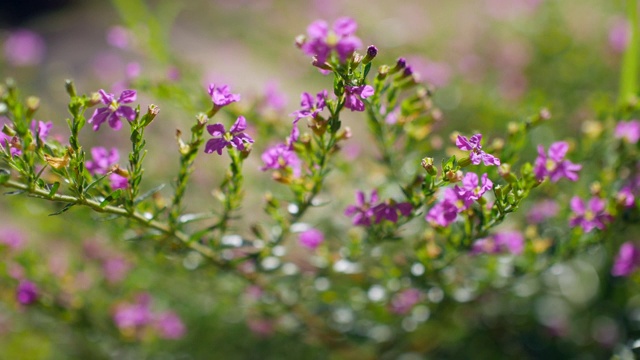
117 170
513 128
300 40
152 112
33 103
497 144
182 147
7 130
383 71
464 162
321 65
454 176
427 164
505 171
95 99
372 52
70 87
344 133
400 65
595 188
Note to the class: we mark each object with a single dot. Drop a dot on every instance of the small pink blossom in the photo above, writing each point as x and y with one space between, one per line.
311 238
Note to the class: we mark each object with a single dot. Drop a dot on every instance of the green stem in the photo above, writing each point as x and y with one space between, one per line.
629 71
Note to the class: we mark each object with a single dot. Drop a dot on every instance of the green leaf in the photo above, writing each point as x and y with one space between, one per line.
54 189
148 194
5 175
366 70
94 183
113 196
64 209
15 192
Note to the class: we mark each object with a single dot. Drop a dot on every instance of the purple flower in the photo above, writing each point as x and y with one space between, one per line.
542 210
322 40
629 131
362 211
389 210
281 157
503 242
404 301
103 162
594 215
627 261
354 94
309 108
41 128
169 325
222 96
471 190
554 165
27 292
9 141
235 137
311 238
133 316
24 48
476 154
114 110
625 197
446 211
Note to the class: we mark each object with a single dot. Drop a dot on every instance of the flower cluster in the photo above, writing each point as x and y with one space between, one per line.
134 318
458 199
511 242
476 154
365 213
281 157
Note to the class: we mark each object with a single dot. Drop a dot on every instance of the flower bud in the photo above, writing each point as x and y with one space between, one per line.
505 171
152 112
300 40
7 130
400 65
464 162
33 103
319 65
70 87
344 134
95 99
454 176
383 71
372 52
427 164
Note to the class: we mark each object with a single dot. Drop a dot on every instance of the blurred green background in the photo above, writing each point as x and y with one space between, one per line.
490 61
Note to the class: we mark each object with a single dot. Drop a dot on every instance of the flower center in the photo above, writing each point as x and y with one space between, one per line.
332 39
551 165
114 106
228 137
589 215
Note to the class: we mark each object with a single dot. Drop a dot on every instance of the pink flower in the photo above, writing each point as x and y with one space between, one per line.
354 96
476 154
362 211
103 162
118 36
12 238
222 96
311 238
235 137
322 40
281 157
627 260
542 210
471 189
309 107
619 35
169 325
27 292
591 216
555 166
502 242
114 110
628 131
